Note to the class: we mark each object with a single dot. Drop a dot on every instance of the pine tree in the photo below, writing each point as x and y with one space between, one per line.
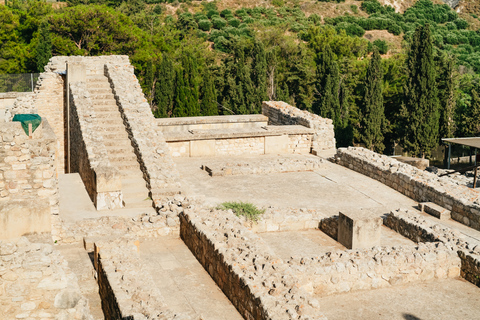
259 75
373 113
208 106
328 104
164 88
44 46
420 110
191 82
446 94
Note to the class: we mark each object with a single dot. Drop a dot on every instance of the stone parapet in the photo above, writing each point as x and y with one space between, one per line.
89 156
281 113
258 284
417 184
149 144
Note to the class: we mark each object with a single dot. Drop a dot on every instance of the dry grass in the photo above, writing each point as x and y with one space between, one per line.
394 42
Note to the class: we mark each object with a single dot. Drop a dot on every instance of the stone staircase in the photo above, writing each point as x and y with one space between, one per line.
119 148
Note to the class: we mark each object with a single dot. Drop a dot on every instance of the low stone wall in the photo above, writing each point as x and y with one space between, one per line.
36 283
258 284
243 141
415 227
380 267
211 122
419 185
7 100
126 292
281 113
28 187
262 165
281 219
150 147
89 156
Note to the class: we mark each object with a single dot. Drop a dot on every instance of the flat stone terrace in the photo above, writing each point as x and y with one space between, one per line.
330 189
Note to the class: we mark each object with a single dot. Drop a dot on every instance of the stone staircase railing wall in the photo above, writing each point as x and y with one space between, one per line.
28 187
89 156
417 184
152 151
281 113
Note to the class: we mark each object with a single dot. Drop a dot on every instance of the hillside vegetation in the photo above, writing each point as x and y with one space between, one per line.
226 56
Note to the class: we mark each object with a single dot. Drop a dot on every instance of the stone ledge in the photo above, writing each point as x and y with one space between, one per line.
236 133
210 120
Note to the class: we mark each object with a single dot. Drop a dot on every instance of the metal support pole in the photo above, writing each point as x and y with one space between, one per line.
475 156
449 155
475 178
31 80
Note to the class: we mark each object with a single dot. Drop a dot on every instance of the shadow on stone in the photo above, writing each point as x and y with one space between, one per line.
410 317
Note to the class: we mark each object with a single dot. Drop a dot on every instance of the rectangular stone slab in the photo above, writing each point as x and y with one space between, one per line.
359 230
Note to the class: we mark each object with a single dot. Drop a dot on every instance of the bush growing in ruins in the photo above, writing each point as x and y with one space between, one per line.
244 209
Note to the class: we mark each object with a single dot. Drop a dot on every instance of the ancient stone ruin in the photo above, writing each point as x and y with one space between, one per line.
109 213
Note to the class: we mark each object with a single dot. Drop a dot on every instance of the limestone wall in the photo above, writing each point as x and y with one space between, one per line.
258 284
281 113
88 154
152 151
417 184
28 187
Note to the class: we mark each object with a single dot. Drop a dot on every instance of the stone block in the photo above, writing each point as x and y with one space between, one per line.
22 217
434 210
359 230
202 148
276 144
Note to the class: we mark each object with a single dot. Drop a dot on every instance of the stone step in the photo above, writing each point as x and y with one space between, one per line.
102 95
114 137
126 166
117 141
110 121
434 210
123 157
119 149
105 102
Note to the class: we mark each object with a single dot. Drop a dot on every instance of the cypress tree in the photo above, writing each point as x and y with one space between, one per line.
208 106
471 120
446 94
244 84
164 88
259 75
180 105
420 110
191 83
373 114
328 104
44 46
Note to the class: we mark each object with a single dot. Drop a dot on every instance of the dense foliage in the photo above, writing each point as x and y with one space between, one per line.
206 61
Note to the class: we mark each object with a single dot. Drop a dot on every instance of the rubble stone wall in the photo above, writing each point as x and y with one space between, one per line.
417 228
330 226
152 151
379 267
258 284
417 184
27 174
89 155
127 293
281 113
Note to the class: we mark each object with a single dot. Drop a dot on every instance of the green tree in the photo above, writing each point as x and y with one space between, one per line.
447 95
373 113
208 94
420 112
44 46
259 75
164 88
328 104
181 103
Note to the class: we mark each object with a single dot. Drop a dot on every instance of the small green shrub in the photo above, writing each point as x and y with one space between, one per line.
249 20
219 23
278 3
199 16
245 209
204 25
461 23
381 45
226 12
233 22
354 8
211 13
